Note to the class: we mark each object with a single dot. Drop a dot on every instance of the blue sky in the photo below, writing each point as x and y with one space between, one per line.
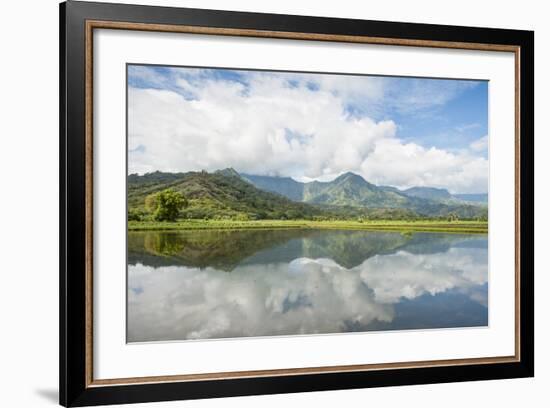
453 125
392 130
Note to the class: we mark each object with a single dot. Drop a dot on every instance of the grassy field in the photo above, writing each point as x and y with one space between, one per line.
376 225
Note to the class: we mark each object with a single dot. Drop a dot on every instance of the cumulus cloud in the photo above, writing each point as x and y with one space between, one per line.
298 125
408 164
304 296
480 144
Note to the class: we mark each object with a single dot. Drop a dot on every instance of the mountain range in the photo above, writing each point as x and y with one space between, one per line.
229 194
352 189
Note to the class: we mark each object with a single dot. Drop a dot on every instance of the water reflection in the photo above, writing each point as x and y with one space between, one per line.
218 284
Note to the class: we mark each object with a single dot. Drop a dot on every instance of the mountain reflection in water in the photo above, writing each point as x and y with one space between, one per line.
221 284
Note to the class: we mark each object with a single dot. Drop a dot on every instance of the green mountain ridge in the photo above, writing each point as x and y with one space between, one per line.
350 189
217 195
227 194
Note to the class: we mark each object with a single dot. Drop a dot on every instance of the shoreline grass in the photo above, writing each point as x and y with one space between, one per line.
470 227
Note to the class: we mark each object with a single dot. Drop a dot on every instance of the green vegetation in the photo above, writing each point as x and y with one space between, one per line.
352 191
165 205
227 200
376 225
215 196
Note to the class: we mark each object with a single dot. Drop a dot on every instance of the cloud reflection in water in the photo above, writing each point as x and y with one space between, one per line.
308 296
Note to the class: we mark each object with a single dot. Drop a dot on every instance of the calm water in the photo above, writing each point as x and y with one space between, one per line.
219 284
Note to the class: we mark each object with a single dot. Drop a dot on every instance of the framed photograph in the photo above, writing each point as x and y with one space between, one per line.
256 203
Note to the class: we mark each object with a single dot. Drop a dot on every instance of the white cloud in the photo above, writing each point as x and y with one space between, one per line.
280 125
468 126
480 144
408 164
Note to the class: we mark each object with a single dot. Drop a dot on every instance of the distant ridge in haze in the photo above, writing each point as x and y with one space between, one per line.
430 193
473 198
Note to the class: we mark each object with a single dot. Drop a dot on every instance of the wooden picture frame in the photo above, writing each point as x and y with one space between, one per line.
78 20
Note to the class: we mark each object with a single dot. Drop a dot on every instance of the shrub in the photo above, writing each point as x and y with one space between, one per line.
165 205
135 214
